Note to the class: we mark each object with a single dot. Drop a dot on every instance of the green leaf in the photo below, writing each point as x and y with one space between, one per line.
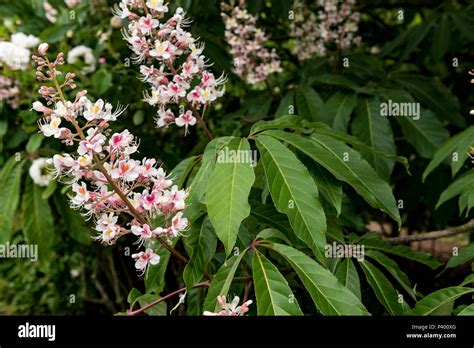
287 102
75 224
465 254
434 95
432 303
294 193
274 296
373 241
416 36
133 295
457 187
228 191
327 292
181 172
329 186
284 122
460 145
198 186
49 190
355 171
392 267
161 309
358 145
34 142
384 290
270 233
203 242
336 80
469 280
309 103
441 38
374 130
469 310
338 109
220 285
102 81
37 221
10 181
347 274
425 134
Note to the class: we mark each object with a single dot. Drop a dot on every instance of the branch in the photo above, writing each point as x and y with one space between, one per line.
161 299
448 232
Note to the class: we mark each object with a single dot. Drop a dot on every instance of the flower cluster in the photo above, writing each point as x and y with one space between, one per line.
122 195
230 309
252 61
9 91
335 24
15 53
181 76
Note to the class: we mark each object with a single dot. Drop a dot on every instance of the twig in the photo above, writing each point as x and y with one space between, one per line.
466 228
161 299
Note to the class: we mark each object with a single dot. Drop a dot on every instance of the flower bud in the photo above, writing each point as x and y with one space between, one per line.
43 48
38 106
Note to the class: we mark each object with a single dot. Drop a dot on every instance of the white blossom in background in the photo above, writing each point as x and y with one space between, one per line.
14 56
72 3
25 41
253 62
40 172
172 62
333 25
82 54
230 309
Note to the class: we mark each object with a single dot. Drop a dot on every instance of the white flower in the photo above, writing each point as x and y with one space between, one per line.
84 53
145 258
16 57
25 41
230 309
39 172
72 3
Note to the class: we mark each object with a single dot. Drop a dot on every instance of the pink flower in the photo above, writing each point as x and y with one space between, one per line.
125 170
144 233
143 259
185 120
230 309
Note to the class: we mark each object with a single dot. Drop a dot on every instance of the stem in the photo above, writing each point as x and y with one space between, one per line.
448 232
161 299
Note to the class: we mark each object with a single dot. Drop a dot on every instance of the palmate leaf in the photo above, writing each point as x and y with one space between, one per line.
327 292
434 303
227 194
202 240
294 193
37 221
374 130
330 154
460 145
274 296
347 274
221 282
10 182
384 290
